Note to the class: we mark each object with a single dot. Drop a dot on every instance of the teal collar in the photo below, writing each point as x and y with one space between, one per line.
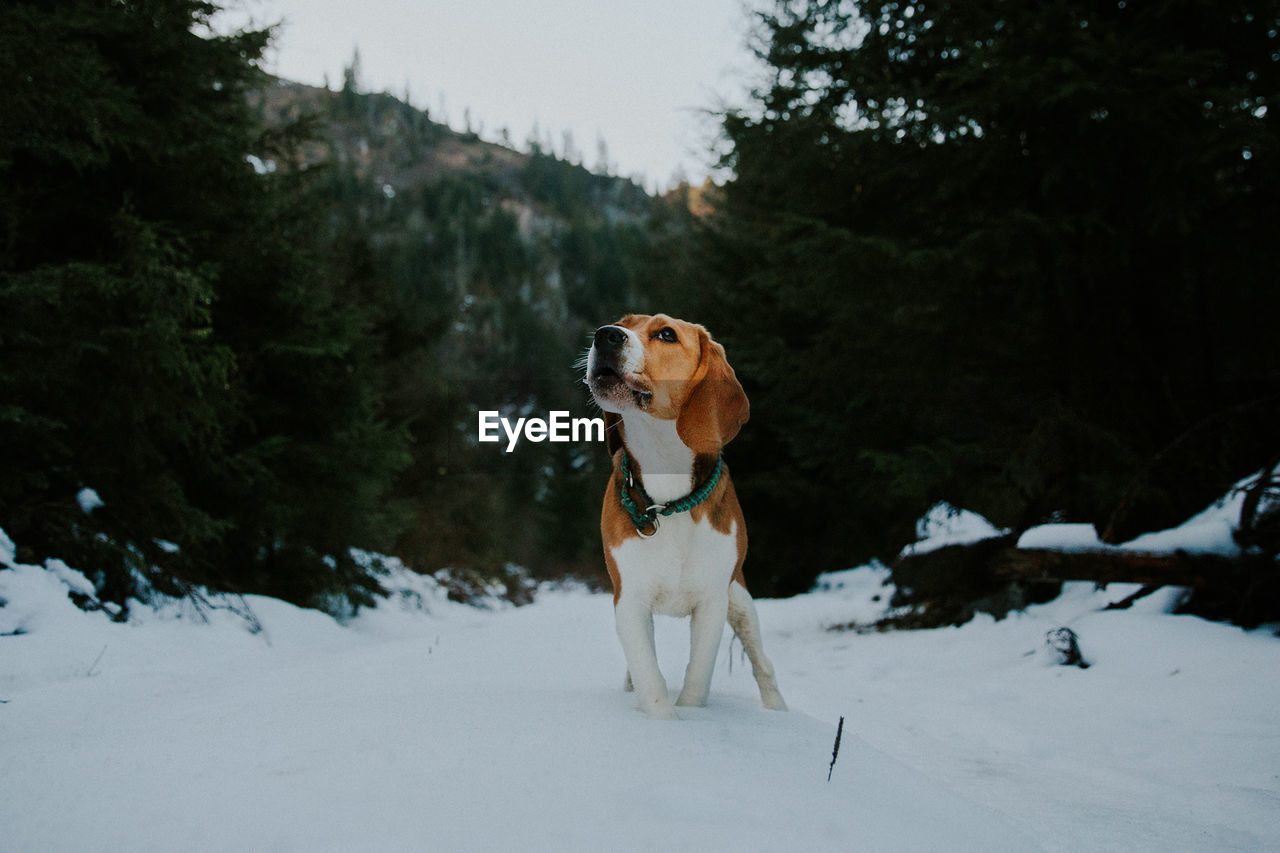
648 516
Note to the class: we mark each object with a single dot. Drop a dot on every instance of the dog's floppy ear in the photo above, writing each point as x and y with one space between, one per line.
716 406
612 432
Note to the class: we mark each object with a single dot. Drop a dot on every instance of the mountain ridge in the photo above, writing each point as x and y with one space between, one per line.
397 146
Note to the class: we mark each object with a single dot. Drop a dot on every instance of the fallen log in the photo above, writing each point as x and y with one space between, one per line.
1105 566
950 584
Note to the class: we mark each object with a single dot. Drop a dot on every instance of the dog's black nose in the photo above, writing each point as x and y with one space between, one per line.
610 337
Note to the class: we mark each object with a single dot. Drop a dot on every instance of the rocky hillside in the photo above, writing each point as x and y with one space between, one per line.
395 147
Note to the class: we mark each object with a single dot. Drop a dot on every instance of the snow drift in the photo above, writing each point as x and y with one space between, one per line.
426 724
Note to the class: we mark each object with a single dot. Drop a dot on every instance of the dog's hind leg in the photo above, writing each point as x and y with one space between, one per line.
746 624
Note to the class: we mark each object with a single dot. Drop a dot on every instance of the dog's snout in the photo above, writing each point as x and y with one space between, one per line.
610 337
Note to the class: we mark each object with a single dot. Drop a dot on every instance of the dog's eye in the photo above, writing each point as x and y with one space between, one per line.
669 335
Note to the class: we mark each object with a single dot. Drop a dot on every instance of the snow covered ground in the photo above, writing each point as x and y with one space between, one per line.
428 725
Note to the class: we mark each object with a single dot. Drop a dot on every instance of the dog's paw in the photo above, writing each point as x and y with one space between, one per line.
660 710
691 701
772 700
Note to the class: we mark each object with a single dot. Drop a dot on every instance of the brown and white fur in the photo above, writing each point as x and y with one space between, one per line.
671 398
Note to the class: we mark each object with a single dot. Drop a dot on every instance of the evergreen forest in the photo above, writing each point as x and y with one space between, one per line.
1017 256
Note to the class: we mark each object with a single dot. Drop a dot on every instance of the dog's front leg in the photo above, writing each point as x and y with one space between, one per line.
634 622
705 629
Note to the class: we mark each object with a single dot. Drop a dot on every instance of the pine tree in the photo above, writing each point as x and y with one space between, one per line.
174 335
1014 249
111 375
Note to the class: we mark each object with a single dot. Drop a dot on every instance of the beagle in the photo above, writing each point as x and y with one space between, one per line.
674 536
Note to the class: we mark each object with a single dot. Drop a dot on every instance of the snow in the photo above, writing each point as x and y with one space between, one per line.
1062 537
88 500
260 166
426 724
1208 532
8 551
945 525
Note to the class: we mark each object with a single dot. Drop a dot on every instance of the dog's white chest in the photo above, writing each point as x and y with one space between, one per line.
682 565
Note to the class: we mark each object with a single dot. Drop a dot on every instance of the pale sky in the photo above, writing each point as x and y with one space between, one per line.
640 75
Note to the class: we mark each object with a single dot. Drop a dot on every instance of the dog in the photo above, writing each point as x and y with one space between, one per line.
673 532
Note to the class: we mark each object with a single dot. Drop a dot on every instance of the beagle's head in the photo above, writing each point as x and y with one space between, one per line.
671 370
